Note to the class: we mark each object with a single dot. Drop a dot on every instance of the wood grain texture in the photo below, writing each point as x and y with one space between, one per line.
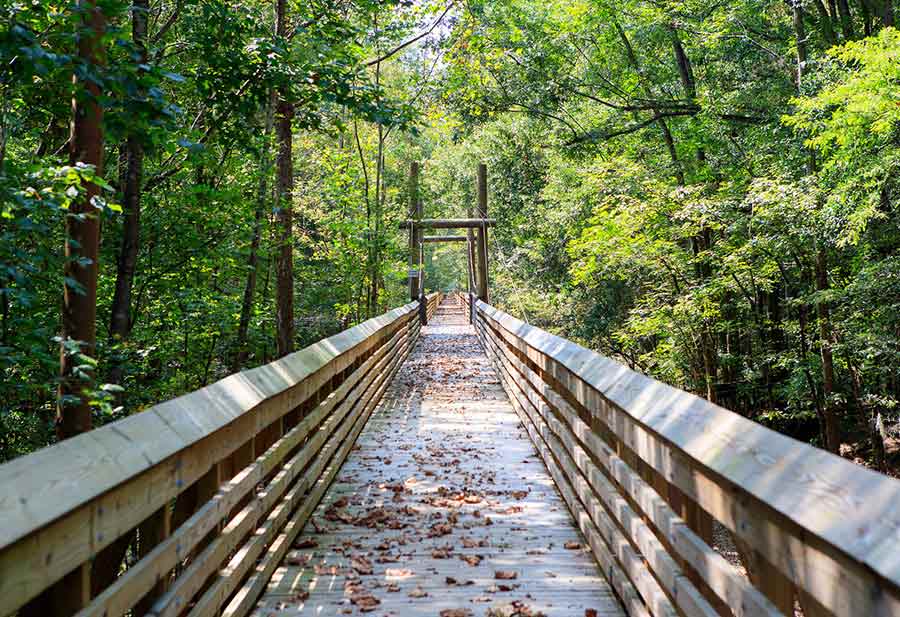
61 505
723 579
830 526
444 448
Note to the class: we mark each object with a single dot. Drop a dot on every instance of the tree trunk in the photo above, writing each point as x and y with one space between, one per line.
240 355
846 19
661 122
824 20
79 312
284 205
832 427
121 319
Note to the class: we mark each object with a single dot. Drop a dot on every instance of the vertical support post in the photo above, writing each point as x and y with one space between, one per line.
415 212
152 532
482 234
473 266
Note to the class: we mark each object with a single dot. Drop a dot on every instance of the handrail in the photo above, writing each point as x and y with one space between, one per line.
647 468
226 467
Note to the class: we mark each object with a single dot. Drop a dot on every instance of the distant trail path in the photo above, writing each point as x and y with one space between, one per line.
443 494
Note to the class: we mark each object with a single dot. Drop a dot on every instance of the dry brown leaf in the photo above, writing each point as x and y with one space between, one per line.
418 592
365 601
505 575
298 559
472 560
361 564
306 543
590 612
398 572
456 612
572 546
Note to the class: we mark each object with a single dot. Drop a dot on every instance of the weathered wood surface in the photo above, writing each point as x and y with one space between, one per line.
443 485
448 223
446 238
60 506
821 527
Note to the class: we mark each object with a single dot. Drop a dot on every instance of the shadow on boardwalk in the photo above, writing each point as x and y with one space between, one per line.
443 508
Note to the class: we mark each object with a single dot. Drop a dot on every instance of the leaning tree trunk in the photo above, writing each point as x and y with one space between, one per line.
284 197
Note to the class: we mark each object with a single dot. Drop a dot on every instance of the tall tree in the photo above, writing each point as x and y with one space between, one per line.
120 313
284 290
79 311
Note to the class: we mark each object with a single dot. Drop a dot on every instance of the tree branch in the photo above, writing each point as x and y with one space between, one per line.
409 42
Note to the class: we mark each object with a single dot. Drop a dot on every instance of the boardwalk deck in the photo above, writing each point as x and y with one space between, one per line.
442 505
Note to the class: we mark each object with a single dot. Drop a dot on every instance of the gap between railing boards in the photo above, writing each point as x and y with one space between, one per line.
199 488
649 472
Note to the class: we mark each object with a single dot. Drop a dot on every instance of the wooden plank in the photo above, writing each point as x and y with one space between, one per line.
724 580
470 223
192 579
582 501
428 239
245 598
151 534
444 427
116 599
828 533
67 502
587 481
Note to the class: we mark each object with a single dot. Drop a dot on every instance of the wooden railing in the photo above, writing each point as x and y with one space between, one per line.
188 507
652 473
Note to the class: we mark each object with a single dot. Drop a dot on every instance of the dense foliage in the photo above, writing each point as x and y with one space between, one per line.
706 192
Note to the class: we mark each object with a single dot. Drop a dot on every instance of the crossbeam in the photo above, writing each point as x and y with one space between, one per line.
447 223
445 239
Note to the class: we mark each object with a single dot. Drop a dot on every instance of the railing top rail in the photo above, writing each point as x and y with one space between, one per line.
851 508
44 486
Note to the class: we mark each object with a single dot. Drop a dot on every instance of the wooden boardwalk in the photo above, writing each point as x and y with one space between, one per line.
443 508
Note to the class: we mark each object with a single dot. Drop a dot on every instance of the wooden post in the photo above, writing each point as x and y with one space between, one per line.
482 245
473 265
415 212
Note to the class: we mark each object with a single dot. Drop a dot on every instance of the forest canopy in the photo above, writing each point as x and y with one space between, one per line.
706 192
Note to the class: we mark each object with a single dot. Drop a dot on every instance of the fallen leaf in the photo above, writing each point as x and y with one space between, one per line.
365 601
505 575
398 572
572 546
472 560
418 592
590 612
306 543
361 564
456 612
